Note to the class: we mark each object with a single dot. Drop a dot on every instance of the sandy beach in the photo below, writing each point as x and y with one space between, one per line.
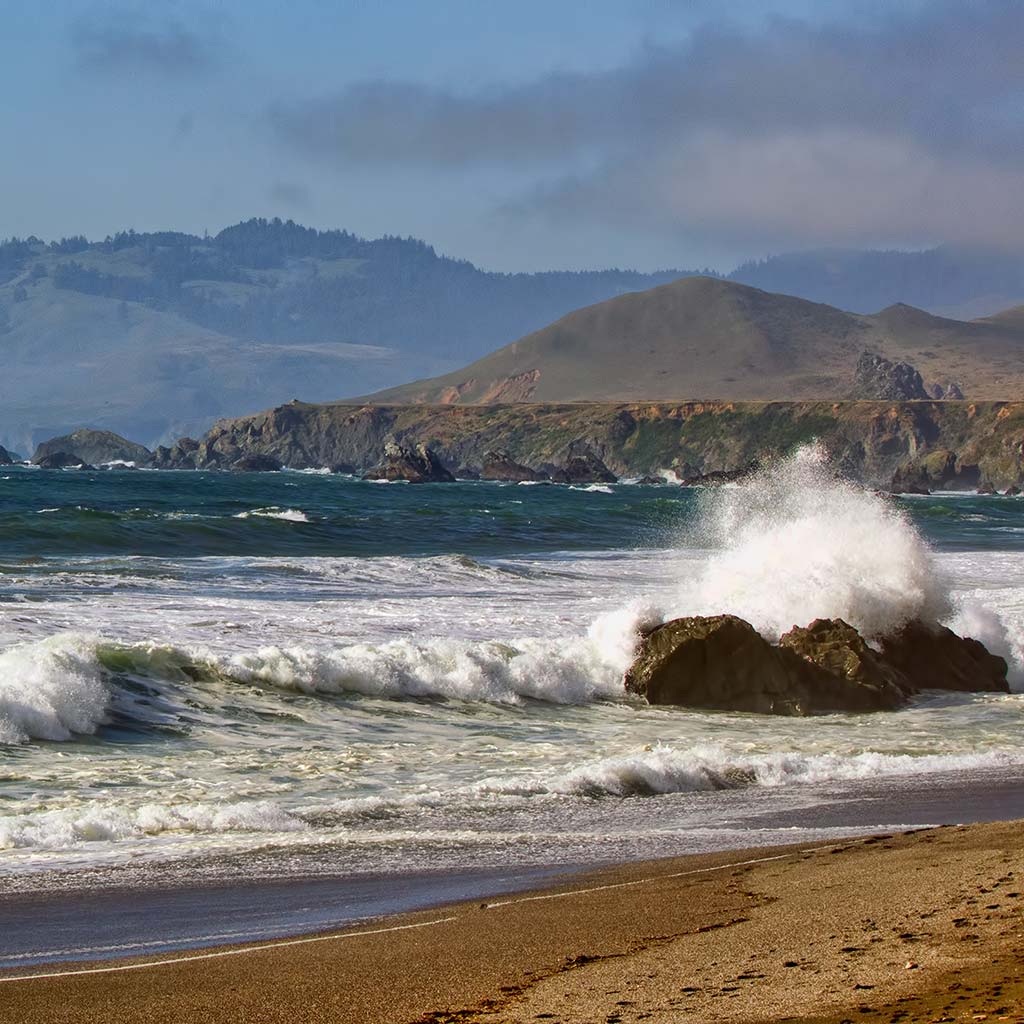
924 926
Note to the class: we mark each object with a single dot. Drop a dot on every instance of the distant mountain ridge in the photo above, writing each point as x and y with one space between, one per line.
155 335
705 338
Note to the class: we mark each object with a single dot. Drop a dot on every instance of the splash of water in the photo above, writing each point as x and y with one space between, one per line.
795 542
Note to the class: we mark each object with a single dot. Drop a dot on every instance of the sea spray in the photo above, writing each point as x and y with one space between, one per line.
51 690
796 542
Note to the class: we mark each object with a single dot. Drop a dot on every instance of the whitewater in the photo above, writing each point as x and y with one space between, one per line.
264 675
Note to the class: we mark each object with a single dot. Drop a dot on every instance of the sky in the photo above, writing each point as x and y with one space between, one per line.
522 135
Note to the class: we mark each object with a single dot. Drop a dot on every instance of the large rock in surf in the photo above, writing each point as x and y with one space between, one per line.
499 465
417 465
721 662
933 657
95 447
836 647
257 464
61 460
717 477
582 468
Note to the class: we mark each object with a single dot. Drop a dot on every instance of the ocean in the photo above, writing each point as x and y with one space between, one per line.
211 676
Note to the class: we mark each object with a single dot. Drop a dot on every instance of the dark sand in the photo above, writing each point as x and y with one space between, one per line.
919 927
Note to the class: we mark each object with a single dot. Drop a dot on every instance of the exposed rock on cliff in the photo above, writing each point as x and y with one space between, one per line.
417 465
879 378
95 447
6 458
941 470
869 441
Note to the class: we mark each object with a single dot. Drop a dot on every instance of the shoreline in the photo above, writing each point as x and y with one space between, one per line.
851 929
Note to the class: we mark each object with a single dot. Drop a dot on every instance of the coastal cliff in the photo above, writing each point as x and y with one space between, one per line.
934 443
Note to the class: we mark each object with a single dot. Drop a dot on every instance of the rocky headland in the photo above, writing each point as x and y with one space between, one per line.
903 445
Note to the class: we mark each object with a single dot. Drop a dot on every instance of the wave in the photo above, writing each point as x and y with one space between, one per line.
795 542
652 772
104 821
291 515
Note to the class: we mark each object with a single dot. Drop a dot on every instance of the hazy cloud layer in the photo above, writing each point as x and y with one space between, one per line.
121 42
902 130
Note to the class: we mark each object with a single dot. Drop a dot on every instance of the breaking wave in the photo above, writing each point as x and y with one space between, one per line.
795 543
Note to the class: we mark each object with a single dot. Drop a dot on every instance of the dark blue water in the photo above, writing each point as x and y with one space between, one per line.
46 514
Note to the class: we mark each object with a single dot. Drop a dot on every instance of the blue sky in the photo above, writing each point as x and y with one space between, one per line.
521 135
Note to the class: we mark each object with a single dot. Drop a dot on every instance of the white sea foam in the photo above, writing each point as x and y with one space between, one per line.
291 515
797 543
51 690
105 821
575 671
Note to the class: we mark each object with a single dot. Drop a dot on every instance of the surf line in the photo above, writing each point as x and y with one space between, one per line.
334 937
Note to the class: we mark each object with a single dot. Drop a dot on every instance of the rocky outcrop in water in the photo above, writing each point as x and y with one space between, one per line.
584 468
417 465
94 447
61 460
721 662
256 464
879 378
499 465
181 455
718 477
6 459
934 657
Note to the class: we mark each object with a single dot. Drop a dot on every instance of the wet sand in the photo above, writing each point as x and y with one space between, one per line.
926 926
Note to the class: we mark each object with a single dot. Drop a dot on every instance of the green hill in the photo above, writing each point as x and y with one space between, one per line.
707 338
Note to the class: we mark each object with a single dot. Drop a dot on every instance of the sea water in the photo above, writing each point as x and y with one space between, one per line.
259 675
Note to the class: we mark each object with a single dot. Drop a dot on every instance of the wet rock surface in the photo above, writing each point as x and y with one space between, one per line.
418 465
721 662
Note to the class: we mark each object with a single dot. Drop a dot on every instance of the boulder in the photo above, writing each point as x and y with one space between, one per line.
876 377
94 447
417 465
717 477
6 459
836 647
61 460
181 455
499 465
722 662
585 468
1012 491
343 468
933 657
257 464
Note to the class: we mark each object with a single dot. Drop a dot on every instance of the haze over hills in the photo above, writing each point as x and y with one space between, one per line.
704 338
157 335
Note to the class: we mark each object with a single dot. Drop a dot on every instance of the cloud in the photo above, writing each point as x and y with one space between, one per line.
122 42
893 128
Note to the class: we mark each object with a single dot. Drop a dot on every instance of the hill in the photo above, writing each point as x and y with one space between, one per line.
155 335
704 338
954 281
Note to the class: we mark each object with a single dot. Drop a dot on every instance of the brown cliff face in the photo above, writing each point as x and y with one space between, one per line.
870 441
